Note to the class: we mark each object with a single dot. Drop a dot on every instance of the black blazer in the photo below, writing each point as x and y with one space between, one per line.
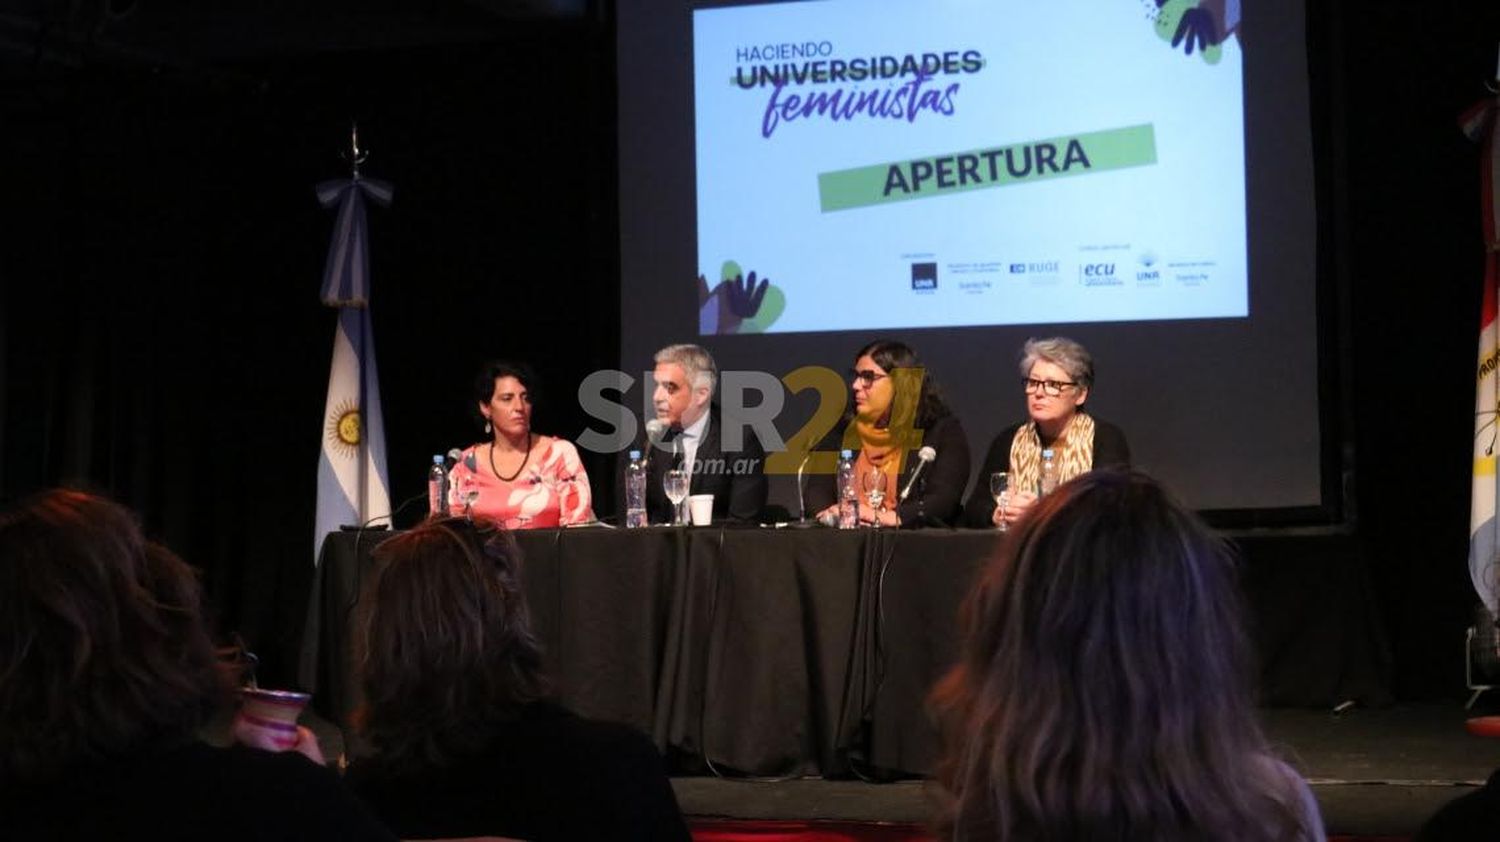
737 479
938 496
1110 451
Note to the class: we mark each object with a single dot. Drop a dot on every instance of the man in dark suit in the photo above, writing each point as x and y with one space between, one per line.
694 437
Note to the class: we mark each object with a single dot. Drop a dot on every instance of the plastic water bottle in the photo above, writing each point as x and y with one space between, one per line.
437 488
848 493
1048 483
635 491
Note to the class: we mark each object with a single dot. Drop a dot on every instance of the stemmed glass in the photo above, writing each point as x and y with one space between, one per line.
875 482
1000 490
675 483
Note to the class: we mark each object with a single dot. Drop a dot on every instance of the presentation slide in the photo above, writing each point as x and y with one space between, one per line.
880 164
800 178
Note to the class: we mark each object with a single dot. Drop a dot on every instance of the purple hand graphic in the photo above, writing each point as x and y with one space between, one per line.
1196 25
745 295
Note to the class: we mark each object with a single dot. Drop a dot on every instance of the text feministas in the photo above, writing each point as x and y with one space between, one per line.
906 94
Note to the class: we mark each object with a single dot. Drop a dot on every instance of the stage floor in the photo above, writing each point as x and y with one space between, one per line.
1374 772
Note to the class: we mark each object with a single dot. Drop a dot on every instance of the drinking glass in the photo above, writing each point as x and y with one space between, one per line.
675 483
875 481
1000 490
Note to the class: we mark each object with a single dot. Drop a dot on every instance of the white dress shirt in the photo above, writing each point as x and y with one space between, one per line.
689 439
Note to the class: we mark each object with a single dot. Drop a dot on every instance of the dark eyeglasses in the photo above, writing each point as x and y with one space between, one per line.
866 377
1050 388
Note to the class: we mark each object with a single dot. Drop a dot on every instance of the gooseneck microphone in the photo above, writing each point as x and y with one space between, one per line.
924 458
388 517
801 506
654 430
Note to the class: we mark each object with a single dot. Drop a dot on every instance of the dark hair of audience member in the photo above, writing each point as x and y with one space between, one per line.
1103 690
103 648
445 649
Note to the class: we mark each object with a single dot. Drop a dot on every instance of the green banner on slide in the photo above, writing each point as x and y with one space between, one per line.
958 172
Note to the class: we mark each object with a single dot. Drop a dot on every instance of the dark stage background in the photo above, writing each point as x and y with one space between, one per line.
161 337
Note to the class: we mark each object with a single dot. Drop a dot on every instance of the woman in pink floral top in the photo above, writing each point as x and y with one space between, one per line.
524 480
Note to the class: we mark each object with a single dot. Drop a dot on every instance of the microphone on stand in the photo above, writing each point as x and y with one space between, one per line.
802 520
801 506
655 429
924 458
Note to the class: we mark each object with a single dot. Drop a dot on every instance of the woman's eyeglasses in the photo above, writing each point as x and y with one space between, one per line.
867 378
1050 388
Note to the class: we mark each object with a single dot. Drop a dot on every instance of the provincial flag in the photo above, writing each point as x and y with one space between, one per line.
1479 123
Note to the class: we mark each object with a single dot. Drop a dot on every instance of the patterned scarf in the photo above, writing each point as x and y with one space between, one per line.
883 442
877 448
1073 453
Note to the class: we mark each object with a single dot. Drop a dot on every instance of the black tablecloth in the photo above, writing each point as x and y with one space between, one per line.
801 652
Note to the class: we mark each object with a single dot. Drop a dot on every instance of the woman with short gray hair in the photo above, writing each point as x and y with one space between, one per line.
1061 351
1056 377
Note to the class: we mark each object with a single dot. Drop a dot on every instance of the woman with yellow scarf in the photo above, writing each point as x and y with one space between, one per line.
898 410
1056 375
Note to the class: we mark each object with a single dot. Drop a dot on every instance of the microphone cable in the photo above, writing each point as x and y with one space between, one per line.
353 600
359 567
879 662
713 606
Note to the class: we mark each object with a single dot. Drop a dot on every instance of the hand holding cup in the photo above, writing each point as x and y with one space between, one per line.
267 720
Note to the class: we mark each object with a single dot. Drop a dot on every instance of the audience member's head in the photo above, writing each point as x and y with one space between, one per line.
1103 689
445 648
103 649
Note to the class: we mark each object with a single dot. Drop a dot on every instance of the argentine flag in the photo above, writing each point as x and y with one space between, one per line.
353 485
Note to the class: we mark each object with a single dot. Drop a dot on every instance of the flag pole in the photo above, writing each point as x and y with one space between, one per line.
355 157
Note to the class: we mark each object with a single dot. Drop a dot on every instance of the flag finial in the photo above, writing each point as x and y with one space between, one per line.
1495 85
355 155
